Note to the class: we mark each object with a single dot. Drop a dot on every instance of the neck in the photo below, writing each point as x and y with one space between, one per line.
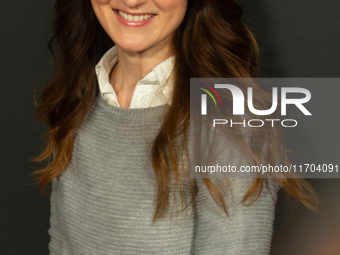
134 66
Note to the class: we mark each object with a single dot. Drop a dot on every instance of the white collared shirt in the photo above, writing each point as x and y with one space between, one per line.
152 90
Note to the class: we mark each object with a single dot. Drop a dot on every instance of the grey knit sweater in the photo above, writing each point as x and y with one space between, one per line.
104 202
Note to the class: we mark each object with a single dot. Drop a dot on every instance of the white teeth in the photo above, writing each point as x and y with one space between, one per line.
134 18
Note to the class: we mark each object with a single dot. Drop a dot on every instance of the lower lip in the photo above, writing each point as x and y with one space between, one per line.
128 23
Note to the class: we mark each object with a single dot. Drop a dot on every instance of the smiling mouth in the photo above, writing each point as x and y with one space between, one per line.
136 18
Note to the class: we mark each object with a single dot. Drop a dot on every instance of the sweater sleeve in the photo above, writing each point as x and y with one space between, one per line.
247 230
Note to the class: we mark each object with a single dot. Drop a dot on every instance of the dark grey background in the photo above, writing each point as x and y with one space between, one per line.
297 39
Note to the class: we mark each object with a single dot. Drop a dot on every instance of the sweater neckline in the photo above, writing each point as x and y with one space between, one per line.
141 113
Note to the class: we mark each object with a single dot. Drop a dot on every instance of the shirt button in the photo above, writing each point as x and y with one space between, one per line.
109 101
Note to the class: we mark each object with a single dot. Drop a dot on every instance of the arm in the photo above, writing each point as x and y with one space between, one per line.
247 230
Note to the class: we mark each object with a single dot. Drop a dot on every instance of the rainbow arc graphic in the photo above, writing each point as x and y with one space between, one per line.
209 93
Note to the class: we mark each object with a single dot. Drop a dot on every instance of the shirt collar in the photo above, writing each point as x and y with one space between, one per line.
159 76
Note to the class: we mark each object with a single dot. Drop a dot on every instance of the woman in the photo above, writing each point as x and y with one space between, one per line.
117 109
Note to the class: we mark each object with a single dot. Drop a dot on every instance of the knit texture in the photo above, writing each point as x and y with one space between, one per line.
104 202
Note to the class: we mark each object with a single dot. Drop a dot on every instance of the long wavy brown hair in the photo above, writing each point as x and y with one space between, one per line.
211 41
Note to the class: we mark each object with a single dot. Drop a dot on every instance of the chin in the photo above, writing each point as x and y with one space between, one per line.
133 45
